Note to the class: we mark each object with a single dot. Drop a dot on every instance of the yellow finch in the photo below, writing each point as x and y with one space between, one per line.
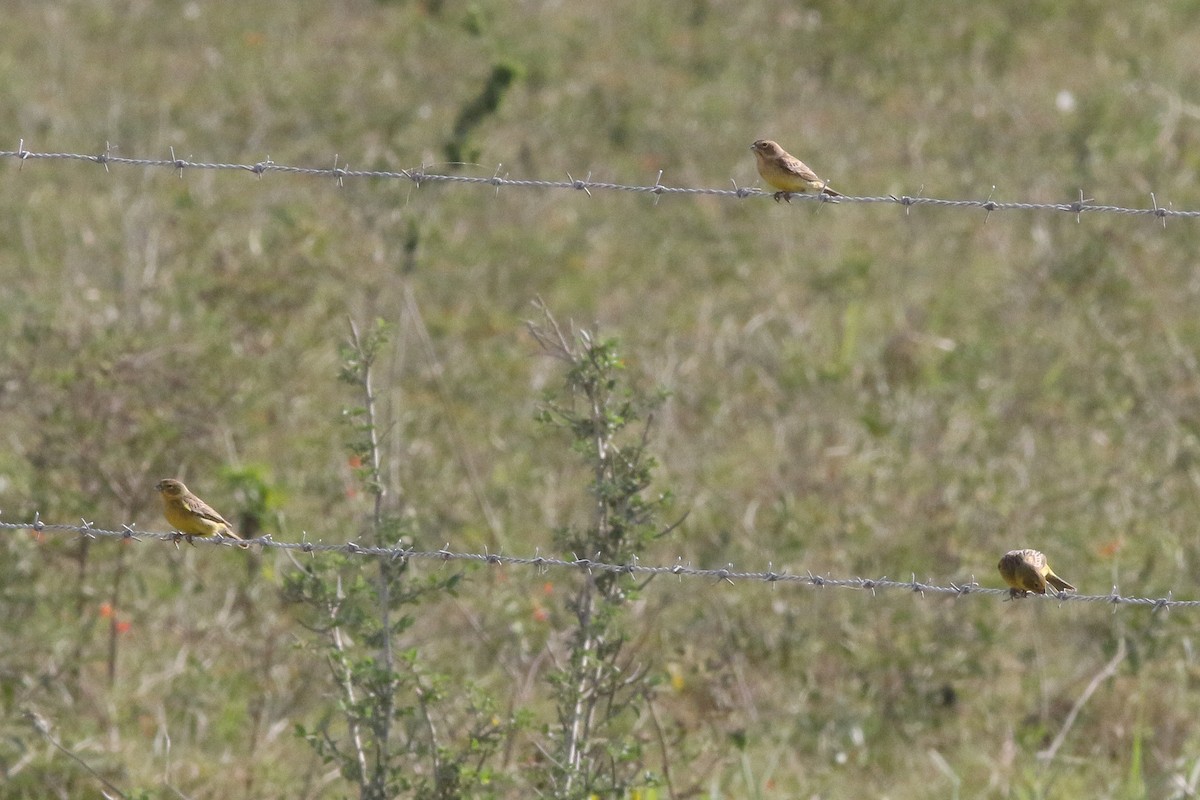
785 172
1026 571
189 514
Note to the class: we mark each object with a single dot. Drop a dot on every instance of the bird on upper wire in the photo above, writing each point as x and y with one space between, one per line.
190 515
1028 571
787 173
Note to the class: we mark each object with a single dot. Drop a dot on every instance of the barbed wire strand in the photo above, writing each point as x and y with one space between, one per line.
542 563
419 176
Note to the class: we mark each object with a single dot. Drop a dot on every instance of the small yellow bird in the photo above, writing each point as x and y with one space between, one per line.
785 172
189 514
1027 571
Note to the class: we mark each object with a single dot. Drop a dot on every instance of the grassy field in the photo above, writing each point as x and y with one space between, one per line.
853 390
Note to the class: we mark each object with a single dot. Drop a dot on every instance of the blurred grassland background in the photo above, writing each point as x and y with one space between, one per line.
854 390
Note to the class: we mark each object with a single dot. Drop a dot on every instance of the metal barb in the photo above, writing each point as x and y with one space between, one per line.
1161 213
907 201
103 157
581 185
989 205
262 166
1078 205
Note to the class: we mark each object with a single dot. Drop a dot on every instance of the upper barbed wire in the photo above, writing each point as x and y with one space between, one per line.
542 563
420 175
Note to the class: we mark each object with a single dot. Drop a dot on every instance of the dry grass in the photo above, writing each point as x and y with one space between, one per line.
854 390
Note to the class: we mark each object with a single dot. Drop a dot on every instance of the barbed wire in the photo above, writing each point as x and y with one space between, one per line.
418 176
727 574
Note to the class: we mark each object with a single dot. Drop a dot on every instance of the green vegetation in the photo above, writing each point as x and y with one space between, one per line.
400 734
849 389
598 687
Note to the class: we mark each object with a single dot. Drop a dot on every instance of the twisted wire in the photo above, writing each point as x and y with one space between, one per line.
419 176
727 574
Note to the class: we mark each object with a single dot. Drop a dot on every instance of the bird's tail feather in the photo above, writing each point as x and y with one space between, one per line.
1059 583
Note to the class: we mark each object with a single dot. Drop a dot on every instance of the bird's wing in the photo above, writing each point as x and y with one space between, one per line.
1035 559
203 509
800 169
